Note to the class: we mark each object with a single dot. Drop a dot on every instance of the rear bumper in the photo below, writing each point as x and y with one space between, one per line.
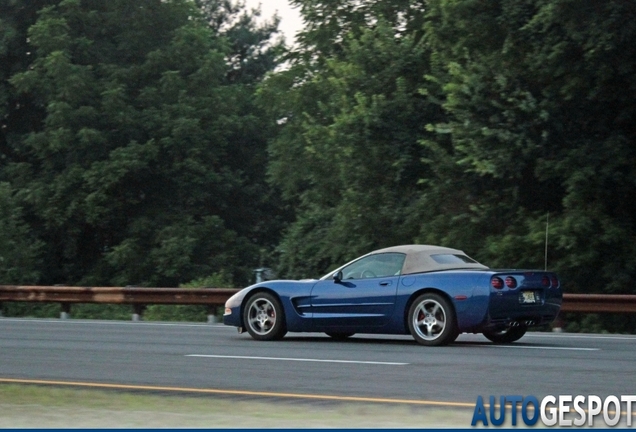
527 319
506 310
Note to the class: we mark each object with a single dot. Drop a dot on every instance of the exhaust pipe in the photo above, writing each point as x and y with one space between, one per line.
525 323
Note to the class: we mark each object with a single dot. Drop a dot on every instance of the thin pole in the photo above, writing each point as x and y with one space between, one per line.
547 224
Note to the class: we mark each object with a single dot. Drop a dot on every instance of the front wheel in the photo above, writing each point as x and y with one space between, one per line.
432 320
264 317
508 335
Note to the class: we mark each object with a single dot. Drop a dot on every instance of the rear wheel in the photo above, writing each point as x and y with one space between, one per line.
432 320
508 335
264 317
339 335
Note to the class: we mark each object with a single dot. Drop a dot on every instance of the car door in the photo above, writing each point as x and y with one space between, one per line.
364 296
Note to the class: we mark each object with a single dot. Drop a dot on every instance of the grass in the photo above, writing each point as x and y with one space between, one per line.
33 406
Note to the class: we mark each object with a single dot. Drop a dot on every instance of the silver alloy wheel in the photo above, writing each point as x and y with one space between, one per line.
429 319
261 316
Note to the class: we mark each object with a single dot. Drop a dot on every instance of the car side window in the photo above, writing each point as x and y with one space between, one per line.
377 265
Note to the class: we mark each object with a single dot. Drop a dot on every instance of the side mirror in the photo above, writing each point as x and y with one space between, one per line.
337 277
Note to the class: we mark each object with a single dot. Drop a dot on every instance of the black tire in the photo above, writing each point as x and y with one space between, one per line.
264 317
340 336
509 335
432 320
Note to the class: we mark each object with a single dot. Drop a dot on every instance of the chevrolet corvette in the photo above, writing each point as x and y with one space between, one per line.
433 293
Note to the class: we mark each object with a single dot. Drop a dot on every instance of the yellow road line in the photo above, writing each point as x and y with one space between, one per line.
239 392
253 393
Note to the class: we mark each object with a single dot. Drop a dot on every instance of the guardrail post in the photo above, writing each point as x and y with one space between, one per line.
212 314
138 311
65 310
559 323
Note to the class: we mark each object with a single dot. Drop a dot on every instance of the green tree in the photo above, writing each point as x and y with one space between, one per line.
351 115
147 165
19 246
19 250
18 115
540 97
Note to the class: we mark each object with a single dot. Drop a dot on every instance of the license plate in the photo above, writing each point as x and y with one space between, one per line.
526 297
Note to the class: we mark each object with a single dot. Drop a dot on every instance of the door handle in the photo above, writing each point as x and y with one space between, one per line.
385 283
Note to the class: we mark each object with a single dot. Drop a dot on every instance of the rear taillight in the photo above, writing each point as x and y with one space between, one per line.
511 282
545 281
497 283
554 282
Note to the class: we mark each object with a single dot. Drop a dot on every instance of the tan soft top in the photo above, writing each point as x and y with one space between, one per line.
418 258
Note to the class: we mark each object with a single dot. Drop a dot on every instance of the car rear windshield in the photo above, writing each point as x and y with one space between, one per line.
452 259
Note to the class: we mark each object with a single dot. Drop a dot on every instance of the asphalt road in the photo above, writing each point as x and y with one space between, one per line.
205 356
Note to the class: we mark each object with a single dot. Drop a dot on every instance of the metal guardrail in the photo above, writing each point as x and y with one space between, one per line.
140 297
599 303
116 295
137 297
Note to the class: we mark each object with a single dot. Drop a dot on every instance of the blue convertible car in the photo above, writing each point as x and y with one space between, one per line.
434 293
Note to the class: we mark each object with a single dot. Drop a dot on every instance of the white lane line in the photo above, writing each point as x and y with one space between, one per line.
543 347
580 336
297 359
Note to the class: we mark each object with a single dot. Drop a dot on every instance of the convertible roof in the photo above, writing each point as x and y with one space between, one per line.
418 258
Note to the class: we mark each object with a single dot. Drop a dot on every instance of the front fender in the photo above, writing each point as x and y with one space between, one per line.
293 295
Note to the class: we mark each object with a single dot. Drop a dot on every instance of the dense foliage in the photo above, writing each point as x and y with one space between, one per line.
351 117
540 97
132 152
464 123
157 142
